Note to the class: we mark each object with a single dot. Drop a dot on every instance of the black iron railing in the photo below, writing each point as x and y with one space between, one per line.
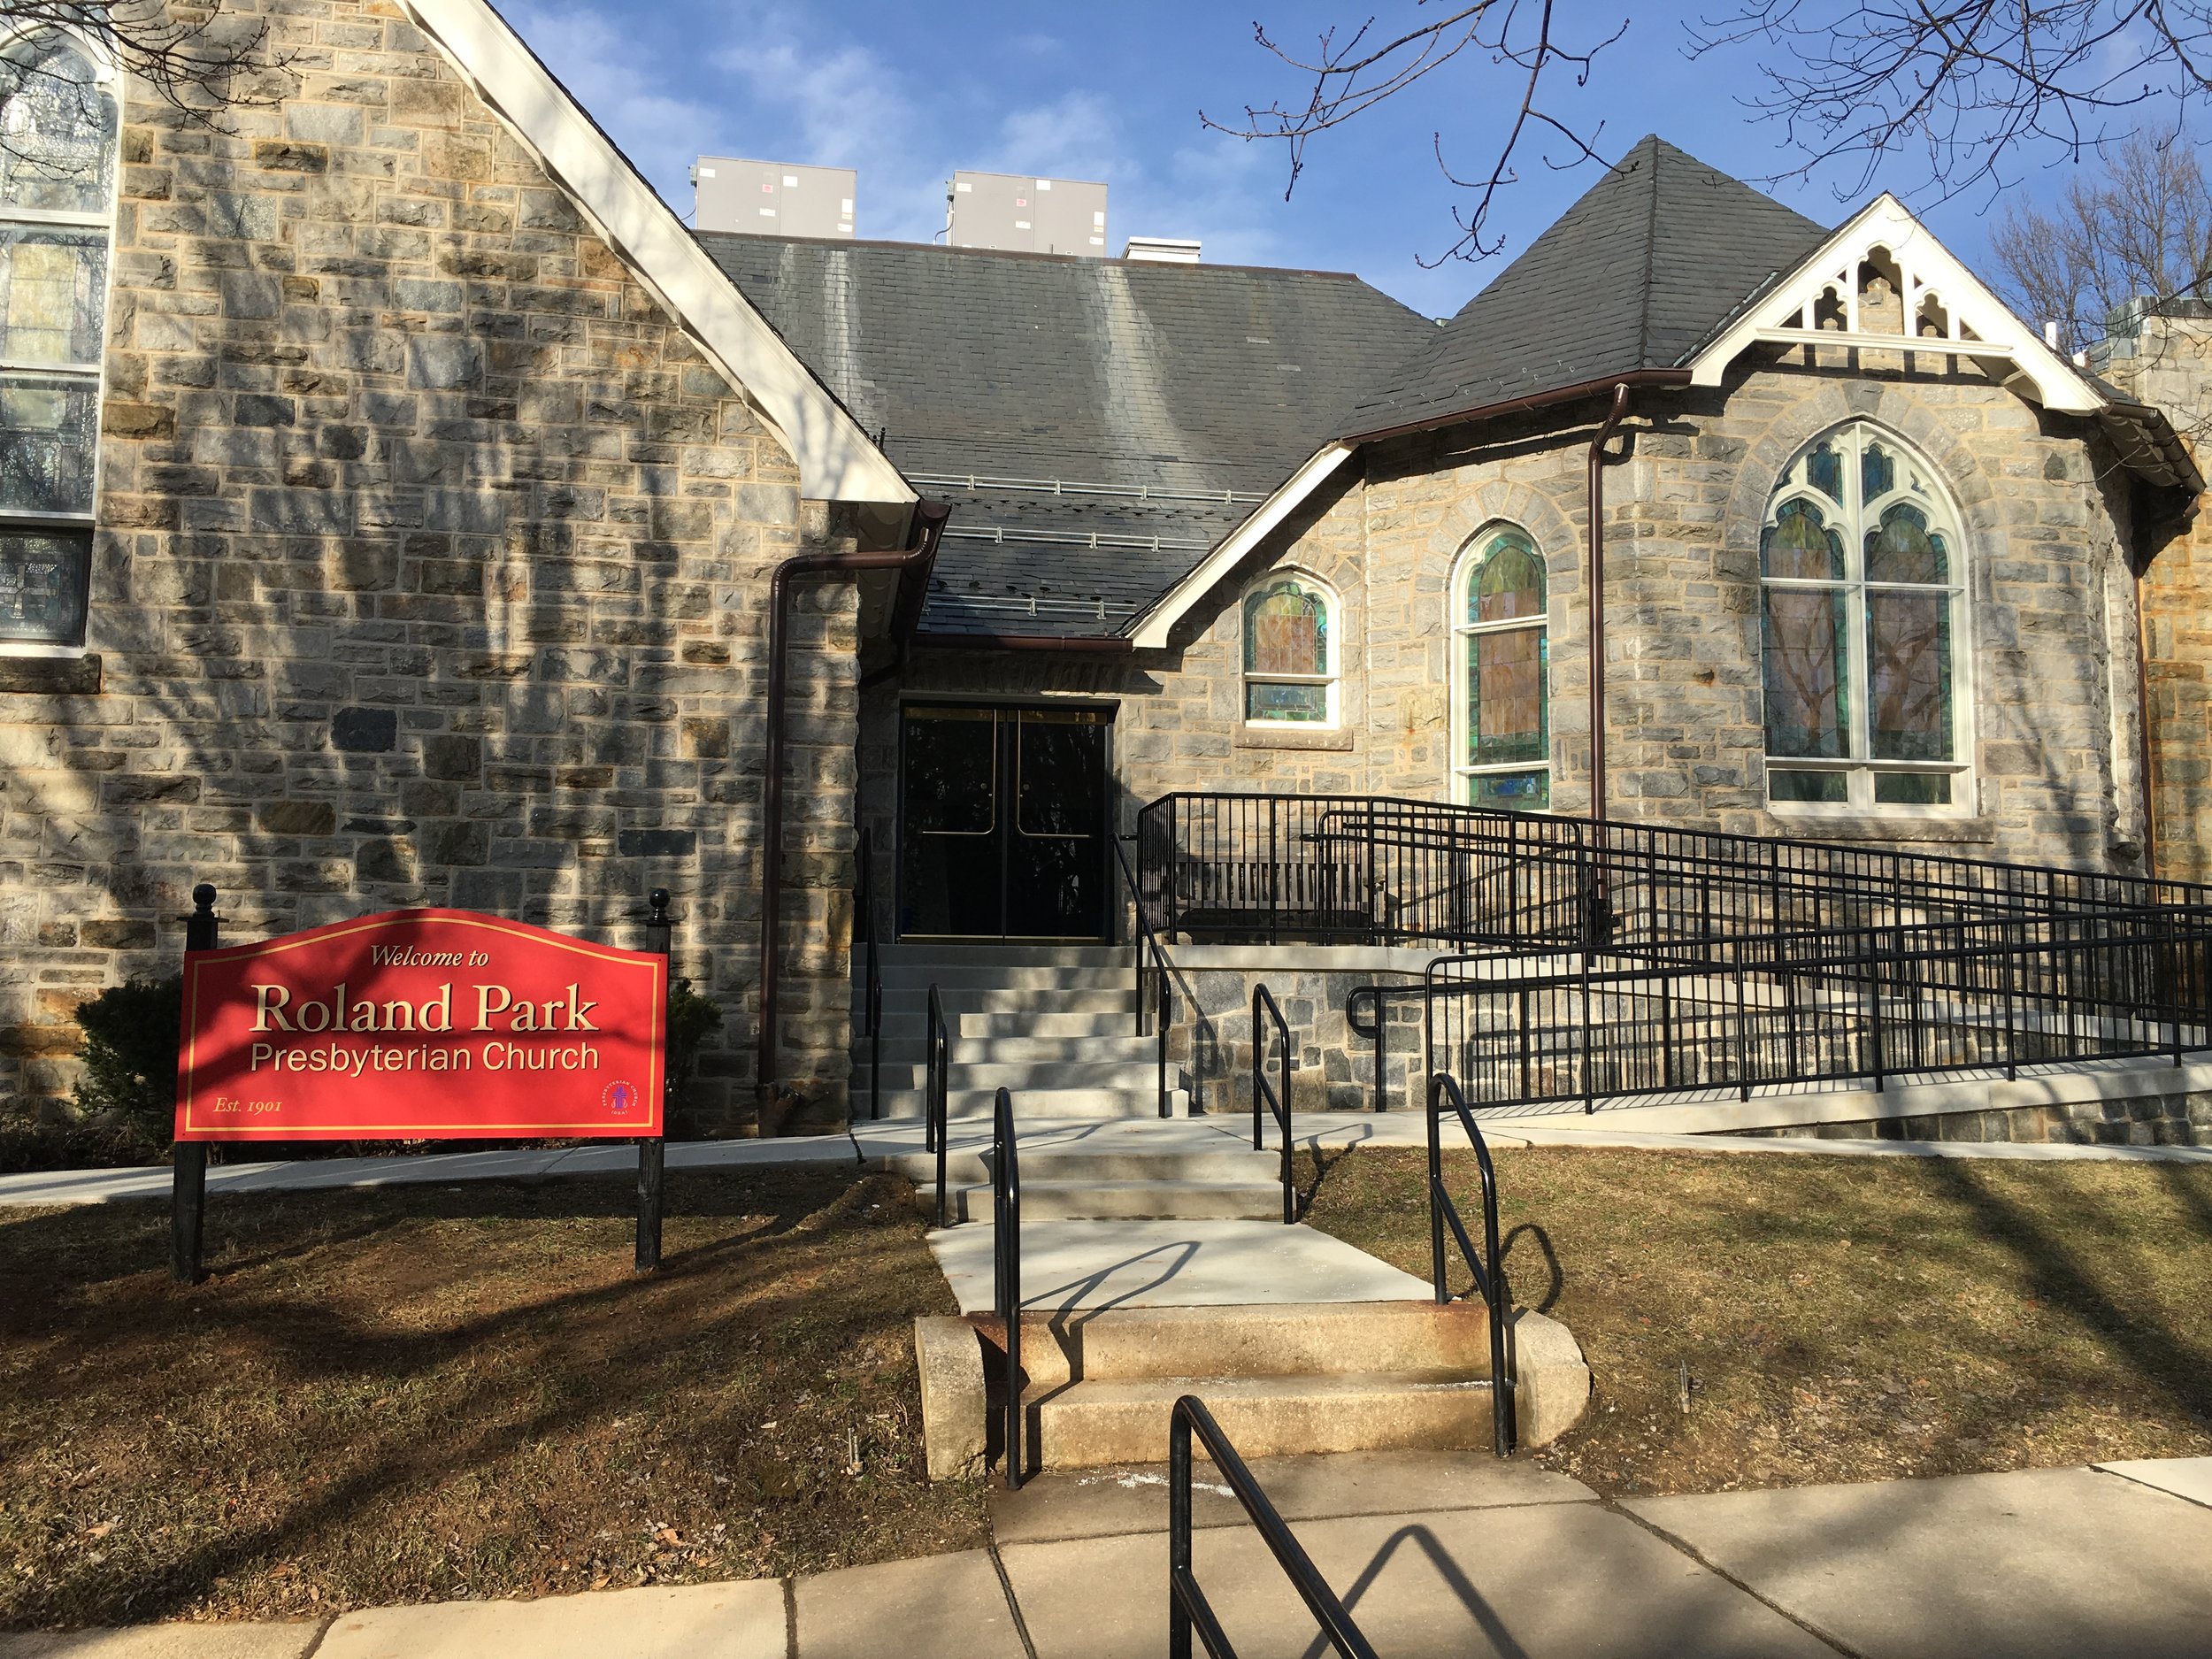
936 1091
1006 1268
871 982
1265 1093
1151 960
1485 1264
1188 1608
1332 869
1376 999
1735 1015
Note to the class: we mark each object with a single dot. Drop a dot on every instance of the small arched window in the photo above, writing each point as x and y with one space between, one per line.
1290 651
1501 673
1862 619
57 152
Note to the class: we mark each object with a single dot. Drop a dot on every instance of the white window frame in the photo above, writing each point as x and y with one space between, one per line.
1333 615
1858 763
106 78
1460 631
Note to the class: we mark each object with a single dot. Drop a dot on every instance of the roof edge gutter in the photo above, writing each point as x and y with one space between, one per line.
1599 387
915 559
1113 646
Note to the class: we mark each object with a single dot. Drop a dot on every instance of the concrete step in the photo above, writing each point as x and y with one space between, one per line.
1099 1420
1315 1339
913 1001
1117 1201
1039 1106
1011 976
1118 1047
940 954
1032 1076
1122 1022
1050 1163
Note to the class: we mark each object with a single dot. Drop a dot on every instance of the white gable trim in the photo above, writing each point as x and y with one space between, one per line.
1151 634
1975 323
836 459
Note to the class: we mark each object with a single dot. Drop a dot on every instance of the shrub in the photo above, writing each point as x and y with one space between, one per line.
130 1054
690 1017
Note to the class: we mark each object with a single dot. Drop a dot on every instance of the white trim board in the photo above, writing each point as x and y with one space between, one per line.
837 461
1931 272
1152 632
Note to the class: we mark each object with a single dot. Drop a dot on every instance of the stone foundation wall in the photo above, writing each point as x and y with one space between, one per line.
2148 1120
432 569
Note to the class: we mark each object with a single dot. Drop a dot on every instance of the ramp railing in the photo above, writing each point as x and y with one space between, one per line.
1006 1268
1277 1103
1485 1264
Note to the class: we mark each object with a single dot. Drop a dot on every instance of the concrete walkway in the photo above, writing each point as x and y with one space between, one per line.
1436 1554
869 1143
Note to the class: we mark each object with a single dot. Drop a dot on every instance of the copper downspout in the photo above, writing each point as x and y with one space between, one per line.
915 559
2143 739
1597 599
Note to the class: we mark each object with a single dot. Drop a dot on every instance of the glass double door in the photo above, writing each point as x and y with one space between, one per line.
1003 819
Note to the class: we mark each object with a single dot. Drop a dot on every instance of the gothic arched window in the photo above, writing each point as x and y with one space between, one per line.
58 150
1501 673
1290 651
1863 619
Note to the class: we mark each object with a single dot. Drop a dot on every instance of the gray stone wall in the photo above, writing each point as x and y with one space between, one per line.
2052 689
432 570
2147 1120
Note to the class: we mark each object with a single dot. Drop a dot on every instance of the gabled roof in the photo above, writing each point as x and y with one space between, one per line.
1099 424
1635 276
835 459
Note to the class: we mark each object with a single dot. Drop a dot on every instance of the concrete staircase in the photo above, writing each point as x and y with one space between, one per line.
1291 1378
1055 1024
1074 1184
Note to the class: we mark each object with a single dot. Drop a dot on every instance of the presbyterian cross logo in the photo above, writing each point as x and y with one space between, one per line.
619 1097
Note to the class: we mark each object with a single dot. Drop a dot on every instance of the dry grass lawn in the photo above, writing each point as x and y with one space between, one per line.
1839 1318
423 1394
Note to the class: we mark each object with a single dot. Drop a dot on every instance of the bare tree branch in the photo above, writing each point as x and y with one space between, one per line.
1350 78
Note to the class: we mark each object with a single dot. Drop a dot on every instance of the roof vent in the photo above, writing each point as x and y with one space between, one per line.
1162 250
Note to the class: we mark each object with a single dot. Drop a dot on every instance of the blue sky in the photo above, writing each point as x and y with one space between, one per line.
906 93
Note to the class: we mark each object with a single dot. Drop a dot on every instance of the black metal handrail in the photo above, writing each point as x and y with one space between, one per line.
1378 997
1384 869
872 989
1798 1008
1188 1608
937 1046
1262 1090
1006 1268
1487 1269
1150 956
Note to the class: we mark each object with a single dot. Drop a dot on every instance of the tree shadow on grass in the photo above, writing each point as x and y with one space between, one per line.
831 1265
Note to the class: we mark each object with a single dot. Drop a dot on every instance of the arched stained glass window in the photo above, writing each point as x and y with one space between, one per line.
1501 673
1290 674
57 152
1861 620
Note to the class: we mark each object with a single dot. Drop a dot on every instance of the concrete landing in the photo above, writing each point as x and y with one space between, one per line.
1068 1265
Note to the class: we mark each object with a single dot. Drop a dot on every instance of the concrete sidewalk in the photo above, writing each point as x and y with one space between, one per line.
868 1144
1437 1554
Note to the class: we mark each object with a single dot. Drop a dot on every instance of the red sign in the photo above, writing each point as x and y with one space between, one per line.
421 1024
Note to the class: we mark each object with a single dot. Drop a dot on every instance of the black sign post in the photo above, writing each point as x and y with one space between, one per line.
652 1151
188 1159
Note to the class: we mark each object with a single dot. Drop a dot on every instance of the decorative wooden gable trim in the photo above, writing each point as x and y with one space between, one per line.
837 460
1883 283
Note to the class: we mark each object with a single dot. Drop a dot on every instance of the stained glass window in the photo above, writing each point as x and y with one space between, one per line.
1501 673
1289 652
1860 621
58 158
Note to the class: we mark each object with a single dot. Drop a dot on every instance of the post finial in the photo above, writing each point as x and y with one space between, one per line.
204 897
658 899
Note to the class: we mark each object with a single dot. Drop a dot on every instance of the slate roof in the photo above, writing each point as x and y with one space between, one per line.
1646 268
1098 425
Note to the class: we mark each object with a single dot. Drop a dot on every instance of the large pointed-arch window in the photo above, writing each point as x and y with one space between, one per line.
1501 673
1863 623
1290 651
58 149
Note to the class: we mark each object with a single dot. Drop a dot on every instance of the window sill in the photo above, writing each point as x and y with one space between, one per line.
1867 826
50 676
1288 736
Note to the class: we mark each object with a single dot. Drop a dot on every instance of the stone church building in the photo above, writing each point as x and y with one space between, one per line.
402 506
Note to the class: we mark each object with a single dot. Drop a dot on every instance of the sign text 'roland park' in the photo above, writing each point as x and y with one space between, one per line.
422 1024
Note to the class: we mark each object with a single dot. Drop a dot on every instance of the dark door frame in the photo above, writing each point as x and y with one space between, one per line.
1110 707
